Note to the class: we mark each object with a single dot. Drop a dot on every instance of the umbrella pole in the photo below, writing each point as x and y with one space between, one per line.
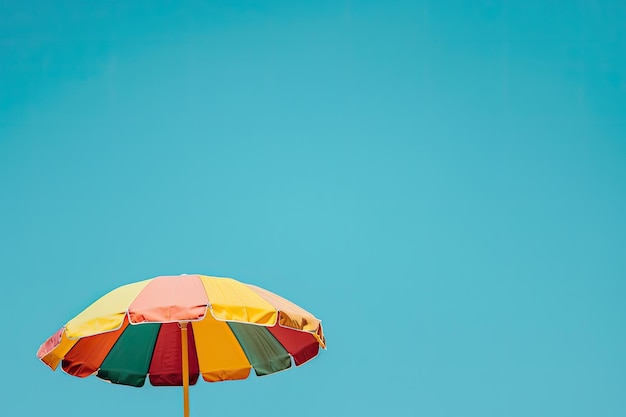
183 335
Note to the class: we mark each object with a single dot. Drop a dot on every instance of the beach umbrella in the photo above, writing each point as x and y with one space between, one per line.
173 330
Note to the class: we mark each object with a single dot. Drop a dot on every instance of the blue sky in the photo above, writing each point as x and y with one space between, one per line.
442 183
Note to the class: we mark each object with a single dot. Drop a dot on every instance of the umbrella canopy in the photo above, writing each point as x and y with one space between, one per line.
174 329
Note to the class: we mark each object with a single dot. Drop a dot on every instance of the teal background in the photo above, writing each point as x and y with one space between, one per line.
442 183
